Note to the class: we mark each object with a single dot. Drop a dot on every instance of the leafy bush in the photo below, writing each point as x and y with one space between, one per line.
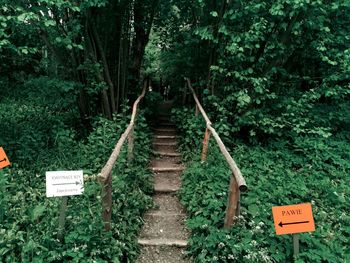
39 138
312 169
192 129
35 118
152 100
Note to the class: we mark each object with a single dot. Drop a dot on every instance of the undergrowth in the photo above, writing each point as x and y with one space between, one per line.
309 169
42 139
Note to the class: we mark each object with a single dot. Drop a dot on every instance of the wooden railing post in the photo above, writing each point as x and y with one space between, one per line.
131 145
238 210
107 202
105 177
232 208
205 145
237 181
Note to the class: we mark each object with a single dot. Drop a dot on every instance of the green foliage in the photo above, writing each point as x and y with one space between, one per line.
276 68
152 57
192 129
3 196
265 65
312 169
30 125
93 86
151 102
274 74
88 42
41 135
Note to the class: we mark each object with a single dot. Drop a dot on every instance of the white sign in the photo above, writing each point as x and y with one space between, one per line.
64 183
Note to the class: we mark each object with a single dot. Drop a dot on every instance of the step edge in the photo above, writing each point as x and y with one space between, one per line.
162 125
165 143
162 242
166 153
164 129
166 190
167 169
167 214
157 136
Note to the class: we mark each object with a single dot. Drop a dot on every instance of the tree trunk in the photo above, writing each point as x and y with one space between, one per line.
142 26
91 50
105 67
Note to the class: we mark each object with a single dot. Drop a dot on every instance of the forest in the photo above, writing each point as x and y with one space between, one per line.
273 77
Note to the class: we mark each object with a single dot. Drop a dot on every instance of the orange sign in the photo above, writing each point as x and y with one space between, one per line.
292 219
4 161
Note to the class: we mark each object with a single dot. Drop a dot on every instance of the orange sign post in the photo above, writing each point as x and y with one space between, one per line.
293 219
4 161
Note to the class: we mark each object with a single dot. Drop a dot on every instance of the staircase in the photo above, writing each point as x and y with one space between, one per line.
164 235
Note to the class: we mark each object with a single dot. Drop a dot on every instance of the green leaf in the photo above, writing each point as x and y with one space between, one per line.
76 8
49 23
38 211
253 209
214 13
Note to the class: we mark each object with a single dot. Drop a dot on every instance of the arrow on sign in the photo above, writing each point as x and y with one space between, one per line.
292 223
3 160
76 183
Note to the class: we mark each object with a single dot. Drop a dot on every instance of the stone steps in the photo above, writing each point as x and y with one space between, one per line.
163 161
158 253
165 148
164 129
164 227
167 169
160 136
167 203
162 242
164 235
165 133
165 143
167 153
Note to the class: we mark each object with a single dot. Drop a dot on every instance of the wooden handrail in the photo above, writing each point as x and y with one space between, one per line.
105 177
107 169
231 162
237 182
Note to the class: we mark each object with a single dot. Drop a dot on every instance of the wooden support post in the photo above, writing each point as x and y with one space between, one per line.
62 218
105 177
238 210
107 202
232 203
197 111
205 145
237 181
131 145
296 244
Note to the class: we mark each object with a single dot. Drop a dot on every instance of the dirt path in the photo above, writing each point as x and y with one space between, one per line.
164 235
